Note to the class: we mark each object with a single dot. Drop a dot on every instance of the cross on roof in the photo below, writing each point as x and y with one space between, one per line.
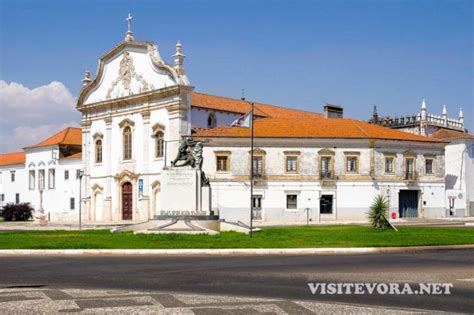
129 20
129 36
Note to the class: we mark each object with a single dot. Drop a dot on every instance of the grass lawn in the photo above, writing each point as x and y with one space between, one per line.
278 237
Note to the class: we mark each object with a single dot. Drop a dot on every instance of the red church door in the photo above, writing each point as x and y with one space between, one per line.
127 203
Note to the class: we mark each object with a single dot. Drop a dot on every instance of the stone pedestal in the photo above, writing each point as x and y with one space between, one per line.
182 193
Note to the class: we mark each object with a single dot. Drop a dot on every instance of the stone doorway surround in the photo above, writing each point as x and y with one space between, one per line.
121 178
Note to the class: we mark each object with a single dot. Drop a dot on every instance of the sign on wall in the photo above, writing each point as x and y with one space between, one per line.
140 186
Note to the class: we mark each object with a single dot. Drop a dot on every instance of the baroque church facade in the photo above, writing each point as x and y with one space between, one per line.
307 165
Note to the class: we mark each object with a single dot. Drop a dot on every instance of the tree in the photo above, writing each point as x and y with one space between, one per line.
378 213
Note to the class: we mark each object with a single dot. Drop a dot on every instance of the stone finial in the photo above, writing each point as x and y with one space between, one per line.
423 110
423 104
461 115
129 34
87 78
375 114
179 58
445 116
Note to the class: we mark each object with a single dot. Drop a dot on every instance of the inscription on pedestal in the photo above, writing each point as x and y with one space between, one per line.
180 191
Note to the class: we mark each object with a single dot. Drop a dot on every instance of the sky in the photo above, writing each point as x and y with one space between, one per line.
299 54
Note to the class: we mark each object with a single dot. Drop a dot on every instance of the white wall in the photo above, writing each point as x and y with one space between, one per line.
199 117
460 176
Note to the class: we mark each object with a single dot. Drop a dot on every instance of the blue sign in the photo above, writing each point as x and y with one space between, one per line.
140 186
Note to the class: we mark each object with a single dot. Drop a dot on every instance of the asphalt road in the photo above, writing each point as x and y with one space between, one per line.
284 277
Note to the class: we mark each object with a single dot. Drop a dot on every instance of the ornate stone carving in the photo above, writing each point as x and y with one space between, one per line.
125 76
97 135
158 62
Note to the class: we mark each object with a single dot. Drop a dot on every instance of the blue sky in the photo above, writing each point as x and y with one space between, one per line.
293 53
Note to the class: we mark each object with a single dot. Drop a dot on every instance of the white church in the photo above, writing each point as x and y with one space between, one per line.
306 165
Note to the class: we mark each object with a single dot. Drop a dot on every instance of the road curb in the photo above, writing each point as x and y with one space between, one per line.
232 251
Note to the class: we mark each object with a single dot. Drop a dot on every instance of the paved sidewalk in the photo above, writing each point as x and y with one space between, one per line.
33 226
398 222
53 301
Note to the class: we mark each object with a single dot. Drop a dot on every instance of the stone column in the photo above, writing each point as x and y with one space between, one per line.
86 124
107 204
144 198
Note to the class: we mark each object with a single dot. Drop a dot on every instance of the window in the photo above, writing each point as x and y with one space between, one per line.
2 197
222 163
78 174
325 204
159 144
17 198
98 151
326 167
127 143
211 120
389 165
72 203
51 178
257 166
291 164
41 179
32 179
66 175
257 207
291 201
429 166
409 168
351 164
12 176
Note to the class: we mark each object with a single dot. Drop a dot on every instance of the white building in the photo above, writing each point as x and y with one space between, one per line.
308 165
50 168
459 152
459 171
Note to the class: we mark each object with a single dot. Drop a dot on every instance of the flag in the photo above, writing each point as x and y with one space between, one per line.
243 121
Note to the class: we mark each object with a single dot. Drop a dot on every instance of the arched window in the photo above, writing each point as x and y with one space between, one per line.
127 143
98 151
159 144
211 120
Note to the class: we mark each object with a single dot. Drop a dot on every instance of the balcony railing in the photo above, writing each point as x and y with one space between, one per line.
411 175
325 175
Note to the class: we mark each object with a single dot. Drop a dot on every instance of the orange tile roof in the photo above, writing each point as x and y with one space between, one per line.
12 158
313 127
77 155
67 136
207 101
281 122
447 134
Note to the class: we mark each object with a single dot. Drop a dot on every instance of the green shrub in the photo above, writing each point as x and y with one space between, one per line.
378 213
17 212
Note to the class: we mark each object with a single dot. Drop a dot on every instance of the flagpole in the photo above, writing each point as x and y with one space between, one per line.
251 172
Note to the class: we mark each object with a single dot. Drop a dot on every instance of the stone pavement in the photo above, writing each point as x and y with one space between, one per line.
31 300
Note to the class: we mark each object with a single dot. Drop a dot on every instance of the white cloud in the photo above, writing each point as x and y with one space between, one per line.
28 116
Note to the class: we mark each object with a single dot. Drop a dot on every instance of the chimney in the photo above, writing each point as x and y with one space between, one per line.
333 111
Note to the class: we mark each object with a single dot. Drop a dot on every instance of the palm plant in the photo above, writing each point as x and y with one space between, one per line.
378 213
